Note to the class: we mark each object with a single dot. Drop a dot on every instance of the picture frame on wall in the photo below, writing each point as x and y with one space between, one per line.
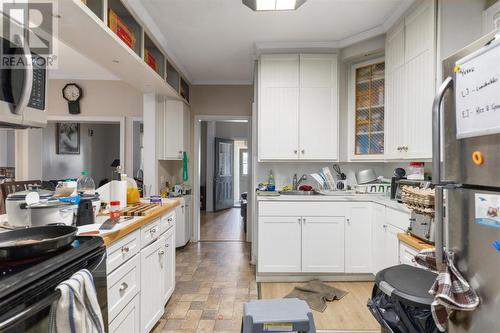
68 138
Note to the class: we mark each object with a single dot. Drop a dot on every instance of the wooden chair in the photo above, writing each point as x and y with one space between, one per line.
12 187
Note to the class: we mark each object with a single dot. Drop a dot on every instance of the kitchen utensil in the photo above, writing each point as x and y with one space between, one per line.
35 241
85 214
365 176
140 209
339 172
329 178
109 224
16 207
52 211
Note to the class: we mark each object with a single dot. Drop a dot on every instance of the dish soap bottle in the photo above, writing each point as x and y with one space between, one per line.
271 186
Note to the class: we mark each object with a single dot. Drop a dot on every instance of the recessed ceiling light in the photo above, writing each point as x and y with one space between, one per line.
268 5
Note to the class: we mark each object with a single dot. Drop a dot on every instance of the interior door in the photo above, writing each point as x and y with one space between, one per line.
224 177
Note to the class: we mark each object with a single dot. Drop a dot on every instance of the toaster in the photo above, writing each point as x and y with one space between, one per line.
422 226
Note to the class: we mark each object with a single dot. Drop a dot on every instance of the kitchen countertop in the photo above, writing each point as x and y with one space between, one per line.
376 198
414 242
130 226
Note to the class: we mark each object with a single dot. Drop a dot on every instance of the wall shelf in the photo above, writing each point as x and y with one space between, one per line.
84 27
173 77
153 56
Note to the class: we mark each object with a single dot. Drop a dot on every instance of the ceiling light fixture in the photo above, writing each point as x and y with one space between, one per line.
272 5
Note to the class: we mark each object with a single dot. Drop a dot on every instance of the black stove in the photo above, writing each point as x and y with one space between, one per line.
27 287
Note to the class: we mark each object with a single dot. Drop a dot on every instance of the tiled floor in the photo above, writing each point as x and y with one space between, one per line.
223 225
213 281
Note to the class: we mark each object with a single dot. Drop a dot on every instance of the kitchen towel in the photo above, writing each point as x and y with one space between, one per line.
77 309
316 294
450 290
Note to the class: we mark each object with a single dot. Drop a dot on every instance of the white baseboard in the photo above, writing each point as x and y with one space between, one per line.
307 277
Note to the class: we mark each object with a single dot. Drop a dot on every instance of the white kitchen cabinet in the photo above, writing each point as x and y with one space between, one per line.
152 282
278 116
358 238
298 107
410 84
169 265
279 244
407 254
129 319
318 107
378 237
180 221
323 244
172 125
391 245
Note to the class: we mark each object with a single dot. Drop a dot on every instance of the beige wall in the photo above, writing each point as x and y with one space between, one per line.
233 100
100 98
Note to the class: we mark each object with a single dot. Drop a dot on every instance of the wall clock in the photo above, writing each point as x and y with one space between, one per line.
73 93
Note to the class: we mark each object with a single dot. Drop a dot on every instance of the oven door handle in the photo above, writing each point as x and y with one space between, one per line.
30 311
28 77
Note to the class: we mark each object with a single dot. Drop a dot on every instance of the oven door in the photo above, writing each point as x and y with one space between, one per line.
15 80
32 316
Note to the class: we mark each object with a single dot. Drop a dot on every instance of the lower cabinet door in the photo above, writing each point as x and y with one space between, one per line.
323 244
378 238
129 319
391 242
358 237
279 244
152 281
169 265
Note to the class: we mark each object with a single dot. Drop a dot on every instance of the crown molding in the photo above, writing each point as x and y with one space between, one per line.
84 77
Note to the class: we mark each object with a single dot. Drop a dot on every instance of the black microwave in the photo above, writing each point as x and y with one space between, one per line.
23 88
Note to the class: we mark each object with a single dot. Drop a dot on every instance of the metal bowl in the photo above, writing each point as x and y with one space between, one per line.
365 176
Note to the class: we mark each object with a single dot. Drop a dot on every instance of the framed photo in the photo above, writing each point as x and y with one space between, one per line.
68 138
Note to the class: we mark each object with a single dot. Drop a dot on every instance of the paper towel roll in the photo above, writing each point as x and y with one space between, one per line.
119 192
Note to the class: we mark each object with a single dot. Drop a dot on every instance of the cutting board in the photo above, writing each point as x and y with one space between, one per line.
140 209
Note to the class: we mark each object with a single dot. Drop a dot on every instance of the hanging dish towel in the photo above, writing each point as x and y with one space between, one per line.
450 290
77 310
185 161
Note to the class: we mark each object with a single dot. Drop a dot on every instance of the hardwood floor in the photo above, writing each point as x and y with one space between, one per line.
213 281
222 226
348 314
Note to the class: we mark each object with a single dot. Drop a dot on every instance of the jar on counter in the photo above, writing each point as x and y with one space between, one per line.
415 171
114 209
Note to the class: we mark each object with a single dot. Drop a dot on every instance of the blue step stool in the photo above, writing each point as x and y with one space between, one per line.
277 315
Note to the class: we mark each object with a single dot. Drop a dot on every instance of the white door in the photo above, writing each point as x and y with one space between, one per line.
169 265
174 129
278 116
420 81
378 238
395 119
318 111
279 244
323 244
358 238
152 281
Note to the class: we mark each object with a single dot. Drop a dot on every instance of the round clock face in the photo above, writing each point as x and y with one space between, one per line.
71 93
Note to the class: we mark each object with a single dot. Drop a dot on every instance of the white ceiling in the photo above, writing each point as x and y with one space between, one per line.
215 41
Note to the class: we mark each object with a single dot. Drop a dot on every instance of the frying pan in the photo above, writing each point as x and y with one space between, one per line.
47 239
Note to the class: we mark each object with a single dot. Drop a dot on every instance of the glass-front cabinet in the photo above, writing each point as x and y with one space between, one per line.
367 97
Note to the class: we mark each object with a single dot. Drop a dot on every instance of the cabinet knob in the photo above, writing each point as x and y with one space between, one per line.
303 151
304 220
125 249
295 151
167 245
299 219
385 226
123 286
161 252
153 231
348 221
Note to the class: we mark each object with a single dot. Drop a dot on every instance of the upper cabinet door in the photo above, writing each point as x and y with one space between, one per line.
278 116
318 115
174 129
420 80
395 47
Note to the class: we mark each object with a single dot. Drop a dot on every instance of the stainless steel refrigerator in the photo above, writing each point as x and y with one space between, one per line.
468 145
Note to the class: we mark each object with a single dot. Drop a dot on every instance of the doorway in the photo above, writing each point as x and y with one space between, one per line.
222 212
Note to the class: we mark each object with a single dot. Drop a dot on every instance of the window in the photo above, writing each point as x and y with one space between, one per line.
244 162
369 109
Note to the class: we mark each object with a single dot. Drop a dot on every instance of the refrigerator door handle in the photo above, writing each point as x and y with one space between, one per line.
436 129
438 225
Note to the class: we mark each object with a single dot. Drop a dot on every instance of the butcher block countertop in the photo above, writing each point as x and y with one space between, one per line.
414 242
128 227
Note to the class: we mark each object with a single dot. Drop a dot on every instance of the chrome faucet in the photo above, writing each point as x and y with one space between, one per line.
304 177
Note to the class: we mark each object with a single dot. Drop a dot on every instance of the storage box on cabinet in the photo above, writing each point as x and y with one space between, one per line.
121 251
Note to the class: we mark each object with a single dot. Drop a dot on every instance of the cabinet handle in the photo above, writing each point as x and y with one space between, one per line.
303 151
300 220
125 249
304 221
348 221
295 151
123 286
167 245
153 231
161 252
385 226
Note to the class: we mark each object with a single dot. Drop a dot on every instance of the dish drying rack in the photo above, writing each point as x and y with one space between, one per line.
421 200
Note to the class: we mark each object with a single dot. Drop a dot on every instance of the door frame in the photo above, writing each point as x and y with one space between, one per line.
195 237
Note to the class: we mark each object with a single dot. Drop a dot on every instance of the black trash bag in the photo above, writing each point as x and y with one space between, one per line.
397 317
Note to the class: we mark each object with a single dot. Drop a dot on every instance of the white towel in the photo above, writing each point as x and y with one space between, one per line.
77 310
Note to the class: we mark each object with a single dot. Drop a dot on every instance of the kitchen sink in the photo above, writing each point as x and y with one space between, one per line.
299 193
